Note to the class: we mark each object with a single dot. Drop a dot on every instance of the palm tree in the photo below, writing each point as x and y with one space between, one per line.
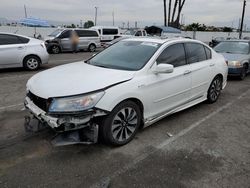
165 13
169 11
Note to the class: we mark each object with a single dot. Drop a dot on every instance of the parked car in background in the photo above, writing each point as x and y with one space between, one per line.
117 93
216 41
135 32
127 34
108 44
22 51
59 40
237 53
107 33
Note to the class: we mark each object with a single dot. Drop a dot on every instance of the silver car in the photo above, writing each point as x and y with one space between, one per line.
237 53
59 40
22 51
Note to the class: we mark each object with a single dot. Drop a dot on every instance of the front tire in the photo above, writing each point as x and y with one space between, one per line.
243 73
214 90
121 125
55 49
32 62
92 48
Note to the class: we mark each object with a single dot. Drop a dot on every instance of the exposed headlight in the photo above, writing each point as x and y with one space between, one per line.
235 64
76 103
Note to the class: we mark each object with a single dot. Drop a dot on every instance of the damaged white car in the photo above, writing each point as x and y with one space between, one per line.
130 85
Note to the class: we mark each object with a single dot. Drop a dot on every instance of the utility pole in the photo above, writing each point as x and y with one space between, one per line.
81 23
135 24
96 15
113 15
242 19
25 11
182 15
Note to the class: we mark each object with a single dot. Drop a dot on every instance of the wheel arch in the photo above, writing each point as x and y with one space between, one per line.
137 102
246 64
92 43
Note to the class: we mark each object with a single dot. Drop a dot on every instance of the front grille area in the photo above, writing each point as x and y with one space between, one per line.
38 101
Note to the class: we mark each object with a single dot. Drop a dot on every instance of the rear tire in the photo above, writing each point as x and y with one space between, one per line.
31 62
121 125
214 90
92 48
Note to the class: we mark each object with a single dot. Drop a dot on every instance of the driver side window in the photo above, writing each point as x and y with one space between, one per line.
65 34
174 55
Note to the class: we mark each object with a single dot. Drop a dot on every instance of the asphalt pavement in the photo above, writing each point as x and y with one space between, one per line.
207 145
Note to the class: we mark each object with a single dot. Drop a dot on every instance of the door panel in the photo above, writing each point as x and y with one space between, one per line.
201 67
201 76
66 44
11 50
166 92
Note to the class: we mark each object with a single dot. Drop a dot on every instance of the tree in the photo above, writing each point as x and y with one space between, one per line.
174 19
169 10
227 29
88 24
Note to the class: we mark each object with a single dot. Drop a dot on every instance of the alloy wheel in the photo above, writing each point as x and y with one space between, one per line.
32 63
124 124
215 89
55 49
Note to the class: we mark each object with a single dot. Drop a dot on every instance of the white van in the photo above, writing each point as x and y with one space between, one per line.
107 33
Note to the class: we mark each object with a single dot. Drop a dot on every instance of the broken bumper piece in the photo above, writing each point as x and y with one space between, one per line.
71 129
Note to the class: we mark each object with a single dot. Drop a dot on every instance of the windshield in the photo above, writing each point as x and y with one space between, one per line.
55 33
232 47
125 55
129 32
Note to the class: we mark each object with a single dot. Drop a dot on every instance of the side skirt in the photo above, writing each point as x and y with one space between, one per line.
190 103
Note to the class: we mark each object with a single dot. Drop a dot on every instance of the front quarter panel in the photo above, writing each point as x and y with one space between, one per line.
116 94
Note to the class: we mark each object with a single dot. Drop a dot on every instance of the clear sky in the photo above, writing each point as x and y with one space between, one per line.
146 12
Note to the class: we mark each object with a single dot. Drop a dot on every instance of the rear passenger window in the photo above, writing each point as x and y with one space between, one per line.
9 39
208 52
195 52
110 31
87 33
174 55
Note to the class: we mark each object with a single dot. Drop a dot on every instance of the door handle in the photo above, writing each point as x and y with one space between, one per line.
187 72
20 48
211 65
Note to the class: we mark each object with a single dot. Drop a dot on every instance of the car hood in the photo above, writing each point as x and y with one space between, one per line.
75 78
48 38
235 57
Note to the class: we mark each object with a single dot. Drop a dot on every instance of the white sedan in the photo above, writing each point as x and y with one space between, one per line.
22 51
132 84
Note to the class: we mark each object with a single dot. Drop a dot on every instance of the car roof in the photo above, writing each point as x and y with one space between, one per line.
161 40
15 34
236 40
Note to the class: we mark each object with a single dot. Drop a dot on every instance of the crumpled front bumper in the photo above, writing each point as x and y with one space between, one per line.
73 128
63 122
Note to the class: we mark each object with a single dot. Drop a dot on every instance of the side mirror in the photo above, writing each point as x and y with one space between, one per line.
163 68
